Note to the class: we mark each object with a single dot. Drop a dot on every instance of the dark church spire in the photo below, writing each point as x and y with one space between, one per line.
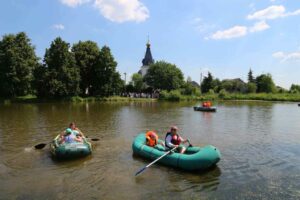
148 60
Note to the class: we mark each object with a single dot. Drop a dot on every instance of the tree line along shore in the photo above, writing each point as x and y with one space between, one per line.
86 72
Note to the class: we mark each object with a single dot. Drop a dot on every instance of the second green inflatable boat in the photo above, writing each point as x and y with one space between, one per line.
70 150
195 158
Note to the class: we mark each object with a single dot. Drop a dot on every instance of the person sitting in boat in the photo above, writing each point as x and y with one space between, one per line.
152 139
69 137
173 139
75 130
206 104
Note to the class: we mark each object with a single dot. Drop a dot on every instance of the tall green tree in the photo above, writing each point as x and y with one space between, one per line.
107 80
61 74
250 77
207 83
87 55
17 63
295 88
137 82
265 83
165 76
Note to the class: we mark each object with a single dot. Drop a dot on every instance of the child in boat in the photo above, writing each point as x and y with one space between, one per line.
69 137
174 140
152 139
75 129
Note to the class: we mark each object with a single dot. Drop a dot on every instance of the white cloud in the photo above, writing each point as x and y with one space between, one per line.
74 3
234 32
259 26
201 26
58 26
272 12
122 10
287 56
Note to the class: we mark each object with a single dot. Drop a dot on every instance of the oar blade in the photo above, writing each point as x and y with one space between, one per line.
40 146
140 171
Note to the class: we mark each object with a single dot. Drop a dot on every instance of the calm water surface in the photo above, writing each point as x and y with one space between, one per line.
259 142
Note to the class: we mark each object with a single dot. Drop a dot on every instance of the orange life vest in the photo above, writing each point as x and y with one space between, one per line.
151 138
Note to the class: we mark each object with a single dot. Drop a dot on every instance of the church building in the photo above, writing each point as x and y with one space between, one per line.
147 61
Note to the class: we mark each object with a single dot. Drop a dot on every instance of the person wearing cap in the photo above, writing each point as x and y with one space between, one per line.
69 137
173 139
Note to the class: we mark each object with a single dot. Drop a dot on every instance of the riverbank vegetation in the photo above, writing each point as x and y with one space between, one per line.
86 72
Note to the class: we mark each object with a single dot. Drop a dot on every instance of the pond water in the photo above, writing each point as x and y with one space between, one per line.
259 143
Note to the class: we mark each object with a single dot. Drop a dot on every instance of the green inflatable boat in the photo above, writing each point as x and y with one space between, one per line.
195 158
70 150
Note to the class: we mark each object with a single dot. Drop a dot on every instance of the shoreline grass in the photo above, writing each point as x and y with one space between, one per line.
170 96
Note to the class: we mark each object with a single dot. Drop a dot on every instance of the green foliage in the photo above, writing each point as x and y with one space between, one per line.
222 93
207 83
165 76
189 89
61 74
251 87
173 95
211 91
234 85
17 63
87 58
108 80
265 84
295 88
137 82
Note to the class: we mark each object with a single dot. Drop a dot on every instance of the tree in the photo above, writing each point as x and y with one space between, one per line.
207 83
165 76
17 63
265 83
250 77
137 82
251 87
234 85
107 80
295 88
87 57
61 74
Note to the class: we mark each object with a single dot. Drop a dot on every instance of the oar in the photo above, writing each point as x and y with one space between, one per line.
40 146
144 168
93 139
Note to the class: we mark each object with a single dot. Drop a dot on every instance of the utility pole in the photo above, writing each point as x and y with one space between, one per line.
200 78
125 77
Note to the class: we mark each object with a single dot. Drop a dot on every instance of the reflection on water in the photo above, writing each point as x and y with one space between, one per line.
259 143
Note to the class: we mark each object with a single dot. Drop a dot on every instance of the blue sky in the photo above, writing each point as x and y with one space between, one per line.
226 38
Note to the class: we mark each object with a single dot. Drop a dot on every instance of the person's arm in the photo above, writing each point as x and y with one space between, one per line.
183 140
62 133
169 143
62 139
79 131
78 139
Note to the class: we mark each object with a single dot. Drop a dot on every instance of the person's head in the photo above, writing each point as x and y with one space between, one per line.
173 129
152 134
72 125
68 131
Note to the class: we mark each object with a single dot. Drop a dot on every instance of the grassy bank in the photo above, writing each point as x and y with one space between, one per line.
166 96
176 96
34 99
